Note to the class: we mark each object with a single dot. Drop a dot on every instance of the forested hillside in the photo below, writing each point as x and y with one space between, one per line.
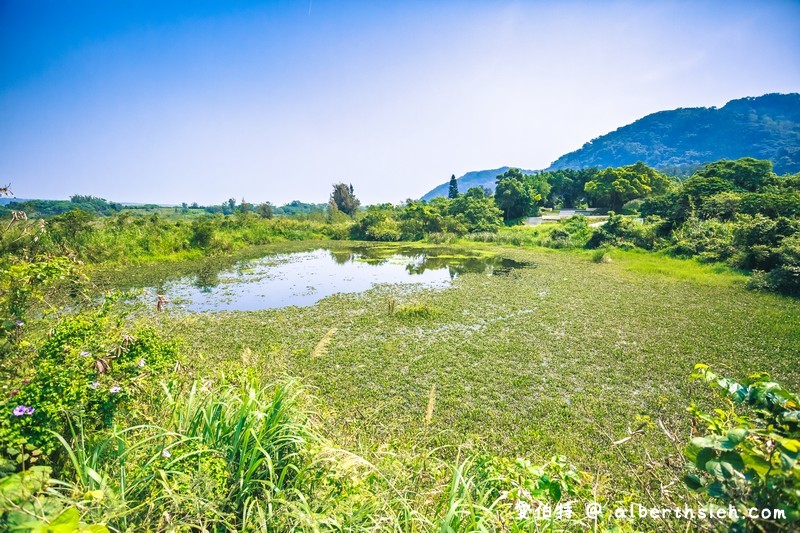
764 127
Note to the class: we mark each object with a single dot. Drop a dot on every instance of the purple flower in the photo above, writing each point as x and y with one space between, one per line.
166 454
19 323
21 410
95 384
115 389
85 354
141 362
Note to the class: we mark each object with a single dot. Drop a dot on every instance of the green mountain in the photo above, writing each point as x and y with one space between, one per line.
764 127
681 140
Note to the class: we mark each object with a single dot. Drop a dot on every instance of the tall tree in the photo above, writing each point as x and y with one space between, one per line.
265 210
343 199
613 187
516 194
747 173
244 207
453 190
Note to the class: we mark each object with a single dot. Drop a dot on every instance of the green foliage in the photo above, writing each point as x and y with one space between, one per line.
452 191
632 207
613 187
377 224
567 186
415 310
265 210
785 276
733 211
518 195
27 503
50 208
87 367
299 208
343 199
419 219
709 240
25 284
748 457
72 224
202 233
624 232
601 255
746 173
475 211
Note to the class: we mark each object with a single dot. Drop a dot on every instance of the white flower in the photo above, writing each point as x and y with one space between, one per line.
166 454
141 362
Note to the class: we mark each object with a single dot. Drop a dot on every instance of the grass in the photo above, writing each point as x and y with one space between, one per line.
557 359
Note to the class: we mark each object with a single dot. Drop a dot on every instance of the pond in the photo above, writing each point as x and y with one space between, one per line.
304 278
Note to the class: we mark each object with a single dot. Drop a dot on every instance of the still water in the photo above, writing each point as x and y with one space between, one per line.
304 278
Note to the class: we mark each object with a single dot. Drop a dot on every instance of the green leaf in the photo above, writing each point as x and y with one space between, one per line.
737 435
757 464
95 528
714 467
790 445
734 460
703 456
717 490
693 482
66 522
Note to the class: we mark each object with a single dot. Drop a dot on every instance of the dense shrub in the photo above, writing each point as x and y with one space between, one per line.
624 233
632 207
733 211
710 240
376 225
748 453
87 367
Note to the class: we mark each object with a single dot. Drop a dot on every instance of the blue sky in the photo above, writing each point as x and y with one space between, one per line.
273 101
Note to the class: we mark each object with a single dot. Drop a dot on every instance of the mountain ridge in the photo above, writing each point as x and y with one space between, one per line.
682 139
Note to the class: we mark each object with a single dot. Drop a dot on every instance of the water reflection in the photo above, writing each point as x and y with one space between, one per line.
304 278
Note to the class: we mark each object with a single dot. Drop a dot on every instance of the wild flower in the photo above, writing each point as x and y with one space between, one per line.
19 323
166 454
26 381
85 354
115 389
13 392
21 410
141 363
95 384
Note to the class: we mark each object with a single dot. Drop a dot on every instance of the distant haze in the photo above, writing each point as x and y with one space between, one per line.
170 102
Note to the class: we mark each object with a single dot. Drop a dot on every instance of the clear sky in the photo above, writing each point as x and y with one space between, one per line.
158 101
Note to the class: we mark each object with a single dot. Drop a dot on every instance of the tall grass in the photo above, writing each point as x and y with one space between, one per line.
247 458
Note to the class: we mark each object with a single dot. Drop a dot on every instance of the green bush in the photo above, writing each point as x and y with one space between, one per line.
624 233
87 367
748 453
785 277
376 225
711 240
632 207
